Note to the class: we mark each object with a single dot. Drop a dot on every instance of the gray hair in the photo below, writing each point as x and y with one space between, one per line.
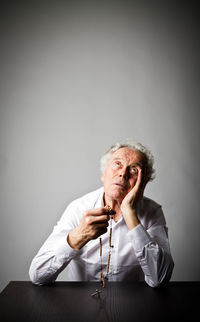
136 146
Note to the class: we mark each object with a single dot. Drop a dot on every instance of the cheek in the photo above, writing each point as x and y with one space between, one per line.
133 182
102 177
107 176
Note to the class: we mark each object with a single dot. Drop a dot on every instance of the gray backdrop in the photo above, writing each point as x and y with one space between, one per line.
75 78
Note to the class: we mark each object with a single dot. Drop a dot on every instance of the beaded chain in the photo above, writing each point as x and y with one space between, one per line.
102 277
110 249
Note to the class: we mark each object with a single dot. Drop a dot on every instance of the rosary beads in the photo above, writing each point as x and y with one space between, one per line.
102 277
109 209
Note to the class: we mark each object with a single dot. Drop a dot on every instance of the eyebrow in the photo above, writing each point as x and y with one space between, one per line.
132 164
115 159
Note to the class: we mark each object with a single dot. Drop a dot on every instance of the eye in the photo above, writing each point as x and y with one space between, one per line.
116 164
133 170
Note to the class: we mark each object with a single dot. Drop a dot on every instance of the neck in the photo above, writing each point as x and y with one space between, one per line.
115 205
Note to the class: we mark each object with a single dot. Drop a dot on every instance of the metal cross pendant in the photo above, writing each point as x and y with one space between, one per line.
97 292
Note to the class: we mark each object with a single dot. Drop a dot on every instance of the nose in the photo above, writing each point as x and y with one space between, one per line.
123 173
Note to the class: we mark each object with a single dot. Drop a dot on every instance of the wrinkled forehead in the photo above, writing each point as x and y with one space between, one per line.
128 155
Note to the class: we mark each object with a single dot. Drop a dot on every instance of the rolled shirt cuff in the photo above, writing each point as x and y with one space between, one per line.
65 253
139 238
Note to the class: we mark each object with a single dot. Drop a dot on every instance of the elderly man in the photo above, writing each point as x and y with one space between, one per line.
113 233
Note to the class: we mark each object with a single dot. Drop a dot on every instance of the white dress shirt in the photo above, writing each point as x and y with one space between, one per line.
142 253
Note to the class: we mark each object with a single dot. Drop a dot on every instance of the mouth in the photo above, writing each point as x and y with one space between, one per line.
120 185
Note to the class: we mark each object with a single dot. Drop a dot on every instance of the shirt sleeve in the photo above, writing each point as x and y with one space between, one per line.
56 253
152 250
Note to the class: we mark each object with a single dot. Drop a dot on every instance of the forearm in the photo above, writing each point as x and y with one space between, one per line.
157 265
76 239
155 260
130 217
44 269
50 261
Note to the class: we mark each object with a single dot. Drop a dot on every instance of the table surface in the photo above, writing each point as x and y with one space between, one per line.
120 301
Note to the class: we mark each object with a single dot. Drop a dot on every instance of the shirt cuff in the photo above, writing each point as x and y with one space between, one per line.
139 238
65 253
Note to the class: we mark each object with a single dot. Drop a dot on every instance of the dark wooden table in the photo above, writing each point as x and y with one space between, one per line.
72 301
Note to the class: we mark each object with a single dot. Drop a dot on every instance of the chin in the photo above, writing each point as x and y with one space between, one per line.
117 195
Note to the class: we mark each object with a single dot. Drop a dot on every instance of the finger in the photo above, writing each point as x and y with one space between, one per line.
103 231
99 226
97 212
143 184
99 229
109 211
100 232
100 219
144 176
139 178
91 220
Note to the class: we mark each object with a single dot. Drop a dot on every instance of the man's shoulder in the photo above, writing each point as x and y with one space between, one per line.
150 213
150 203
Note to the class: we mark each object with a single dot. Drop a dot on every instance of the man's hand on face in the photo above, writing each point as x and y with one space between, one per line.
93 224
128 205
